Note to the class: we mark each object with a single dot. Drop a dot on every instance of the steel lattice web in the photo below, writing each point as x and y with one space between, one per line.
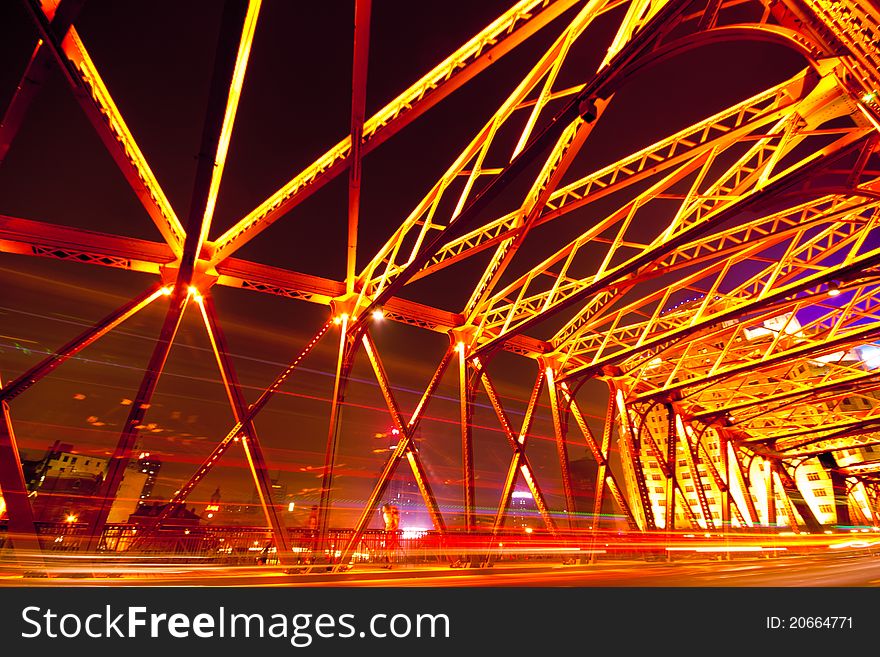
723 280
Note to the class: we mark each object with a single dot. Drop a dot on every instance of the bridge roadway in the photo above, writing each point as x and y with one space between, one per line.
858 568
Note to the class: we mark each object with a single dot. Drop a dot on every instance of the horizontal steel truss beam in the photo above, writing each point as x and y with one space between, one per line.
608 340
723 128
514 309
35 238
842 334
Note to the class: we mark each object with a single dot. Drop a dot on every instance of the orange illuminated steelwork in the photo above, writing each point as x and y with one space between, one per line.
735 333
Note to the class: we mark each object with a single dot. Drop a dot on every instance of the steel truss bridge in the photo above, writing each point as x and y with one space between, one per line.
733 335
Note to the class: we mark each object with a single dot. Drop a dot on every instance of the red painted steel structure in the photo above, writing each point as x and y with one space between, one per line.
719 383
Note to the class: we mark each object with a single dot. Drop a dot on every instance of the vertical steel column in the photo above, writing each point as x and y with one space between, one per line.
358 101
873 498
737 472
769 484
21 528
645 435
725 490
631 452
873 492
343 365
671 467
466 400
838 486
695 472
604 476
559 429
250 442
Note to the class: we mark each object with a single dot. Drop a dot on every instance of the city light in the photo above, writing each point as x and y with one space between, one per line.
688 289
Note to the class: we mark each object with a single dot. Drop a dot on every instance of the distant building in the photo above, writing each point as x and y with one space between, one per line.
62 460
64 482
403 492
813 485
523 513
149 466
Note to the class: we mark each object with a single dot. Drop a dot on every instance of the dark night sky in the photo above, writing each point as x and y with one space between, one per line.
156 60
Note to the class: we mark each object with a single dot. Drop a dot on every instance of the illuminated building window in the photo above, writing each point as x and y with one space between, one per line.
825 508
813 476
656 477
820 492
689 489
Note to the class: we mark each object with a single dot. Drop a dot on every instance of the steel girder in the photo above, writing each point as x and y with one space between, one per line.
785 182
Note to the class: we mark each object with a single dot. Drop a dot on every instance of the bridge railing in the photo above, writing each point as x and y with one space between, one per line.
233 545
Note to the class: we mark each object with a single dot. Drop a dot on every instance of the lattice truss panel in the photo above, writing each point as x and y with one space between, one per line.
723 280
